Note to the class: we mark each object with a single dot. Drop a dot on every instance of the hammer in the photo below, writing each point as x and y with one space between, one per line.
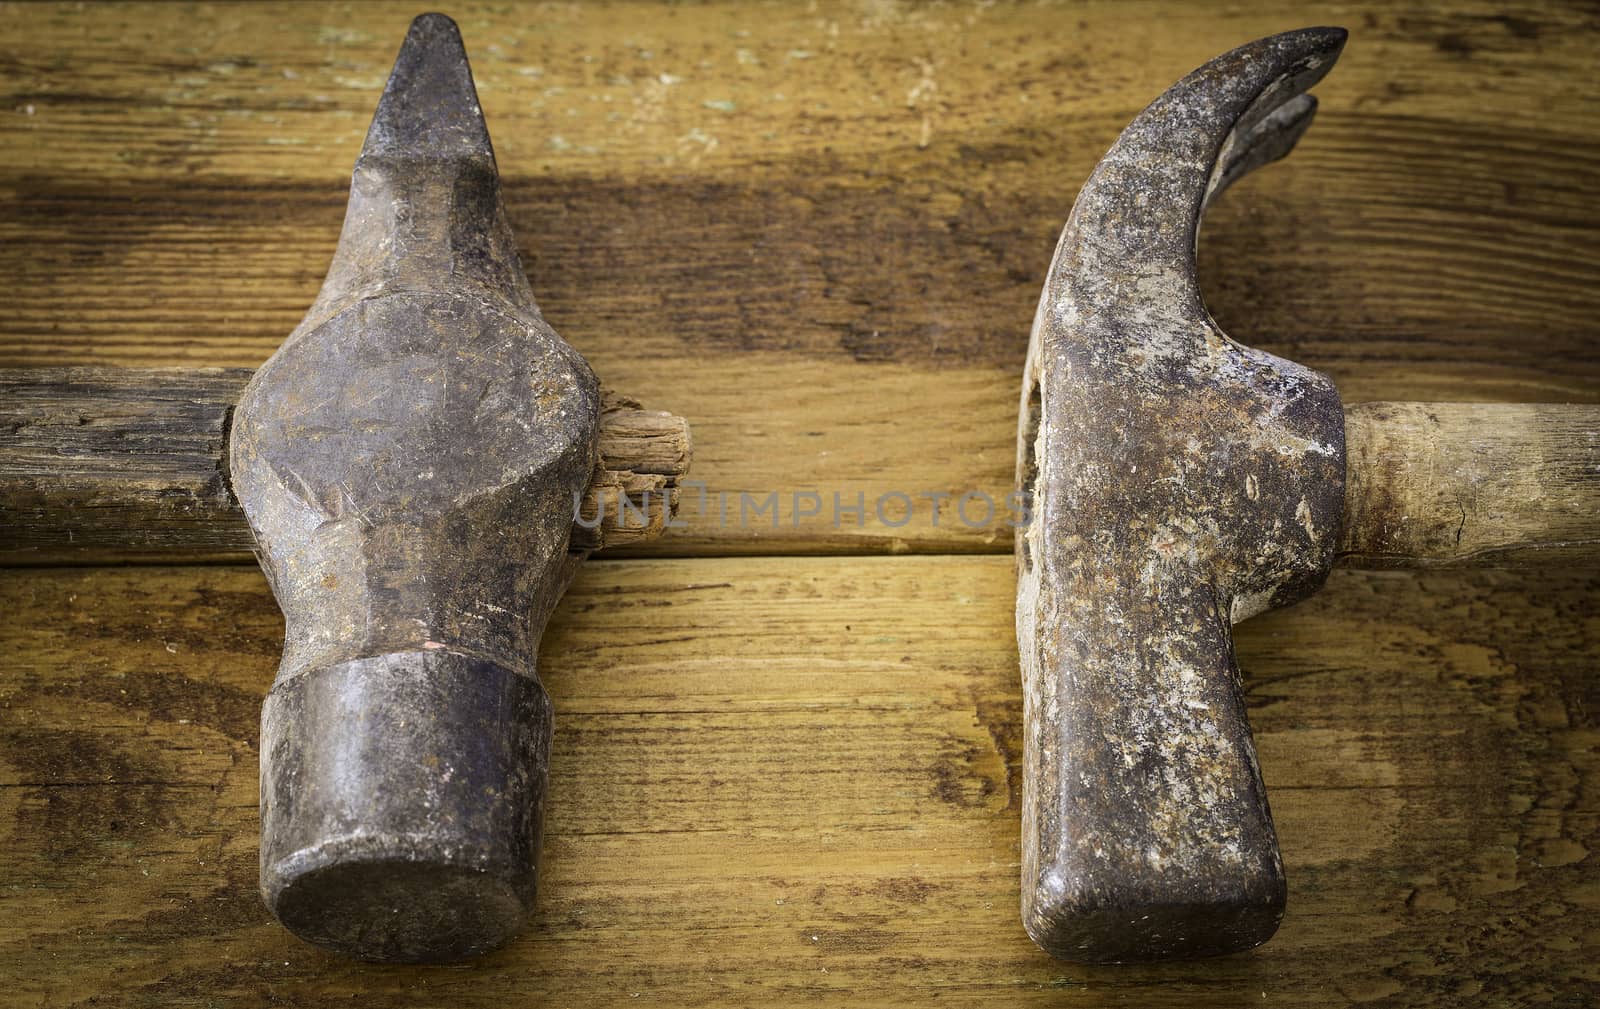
408 462
1180 483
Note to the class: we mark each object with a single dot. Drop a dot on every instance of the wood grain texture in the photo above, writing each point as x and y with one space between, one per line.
778 781
1471 483
119 464
820 234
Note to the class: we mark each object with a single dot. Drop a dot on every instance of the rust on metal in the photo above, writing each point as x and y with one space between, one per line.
408 461
1180 482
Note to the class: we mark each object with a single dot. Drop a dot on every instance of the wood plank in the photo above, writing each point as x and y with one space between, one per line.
834 278
781 780
818 232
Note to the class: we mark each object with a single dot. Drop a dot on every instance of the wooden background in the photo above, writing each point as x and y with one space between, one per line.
785 767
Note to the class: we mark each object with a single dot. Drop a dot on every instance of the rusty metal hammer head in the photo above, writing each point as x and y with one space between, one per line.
1180 482
408 461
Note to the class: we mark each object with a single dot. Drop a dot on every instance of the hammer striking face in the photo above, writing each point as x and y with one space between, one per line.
408 461
1180 482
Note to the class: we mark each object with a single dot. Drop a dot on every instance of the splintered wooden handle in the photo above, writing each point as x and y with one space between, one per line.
128 464
1471 483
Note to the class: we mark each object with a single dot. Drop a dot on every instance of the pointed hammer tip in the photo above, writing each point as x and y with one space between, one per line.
434 21
429 109
1323 39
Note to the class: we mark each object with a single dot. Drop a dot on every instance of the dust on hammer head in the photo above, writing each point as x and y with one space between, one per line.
1180 482
408 461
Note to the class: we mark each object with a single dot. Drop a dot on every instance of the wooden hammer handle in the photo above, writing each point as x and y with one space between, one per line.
100 463
1431 484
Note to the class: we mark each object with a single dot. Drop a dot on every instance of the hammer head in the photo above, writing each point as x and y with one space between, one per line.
408 461
1180 482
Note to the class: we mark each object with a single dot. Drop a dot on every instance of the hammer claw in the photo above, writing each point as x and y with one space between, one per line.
1178 481
1266 140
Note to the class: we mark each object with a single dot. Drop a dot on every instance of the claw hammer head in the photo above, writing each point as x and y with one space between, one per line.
408 461
1180 482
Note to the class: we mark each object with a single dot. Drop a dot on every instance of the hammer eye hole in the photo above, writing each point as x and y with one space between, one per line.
1028 471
